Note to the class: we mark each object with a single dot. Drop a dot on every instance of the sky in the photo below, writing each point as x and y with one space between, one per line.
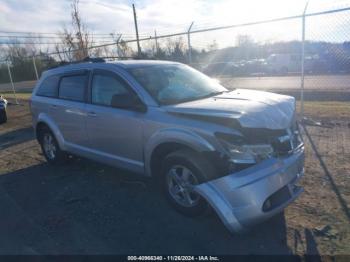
168 16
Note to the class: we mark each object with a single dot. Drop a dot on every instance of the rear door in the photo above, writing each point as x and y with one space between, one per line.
114 133
69 110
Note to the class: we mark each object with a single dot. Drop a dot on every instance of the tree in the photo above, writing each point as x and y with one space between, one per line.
176 49
244 40
76 41
124 50
213 46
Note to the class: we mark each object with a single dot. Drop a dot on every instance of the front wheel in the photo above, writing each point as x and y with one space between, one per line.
182 171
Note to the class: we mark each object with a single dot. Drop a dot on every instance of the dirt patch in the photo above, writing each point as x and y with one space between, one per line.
87 208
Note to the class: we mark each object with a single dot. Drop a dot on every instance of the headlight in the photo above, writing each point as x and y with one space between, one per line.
247 154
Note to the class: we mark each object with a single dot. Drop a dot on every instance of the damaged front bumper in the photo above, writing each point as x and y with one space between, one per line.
257 193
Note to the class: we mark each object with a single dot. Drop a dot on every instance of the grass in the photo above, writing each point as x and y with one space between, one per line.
20 95
326 109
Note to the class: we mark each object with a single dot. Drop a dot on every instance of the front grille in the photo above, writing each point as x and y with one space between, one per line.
281 148
283 141
261 135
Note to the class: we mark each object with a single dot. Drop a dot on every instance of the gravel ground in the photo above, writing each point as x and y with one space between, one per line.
89 208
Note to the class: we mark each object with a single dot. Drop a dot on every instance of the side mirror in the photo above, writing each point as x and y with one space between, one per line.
127 101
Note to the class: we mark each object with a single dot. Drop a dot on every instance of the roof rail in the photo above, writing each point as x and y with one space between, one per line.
86 59
93 60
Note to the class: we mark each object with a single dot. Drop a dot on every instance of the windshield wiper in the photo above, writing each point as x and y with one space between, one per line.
175 101
211 94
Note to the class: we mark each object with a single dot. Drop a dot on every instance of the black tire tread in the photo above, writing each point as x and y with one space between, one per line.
201 168
61 156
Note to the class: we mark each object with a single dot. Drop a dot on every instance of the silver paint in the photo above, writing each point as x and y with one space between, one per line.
127 139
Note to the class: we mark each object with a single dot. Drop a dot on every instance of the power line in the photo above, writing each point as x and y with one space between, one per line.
212 29
29 43
41 33
48 37
57 33
223 27
48 43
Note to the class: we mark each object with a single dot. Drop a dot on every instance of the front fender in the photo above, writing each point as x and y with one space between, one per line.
174 135
44 118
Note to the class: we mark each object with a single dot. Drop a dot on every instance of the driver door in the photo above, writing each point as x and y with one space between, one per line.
115 134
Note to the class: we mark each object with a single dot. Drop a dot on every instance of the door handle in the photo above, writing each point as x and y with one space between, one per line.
92 114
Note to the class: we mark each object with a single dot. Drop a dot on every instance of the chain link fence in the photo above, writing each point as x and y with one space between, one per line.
265 55
306 56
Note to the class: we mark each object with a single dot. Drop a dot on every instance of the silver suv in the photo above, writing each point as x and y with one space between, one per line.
238 152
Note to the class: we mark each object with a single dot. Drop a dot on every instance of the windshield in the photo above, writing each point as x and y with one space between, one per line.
173 84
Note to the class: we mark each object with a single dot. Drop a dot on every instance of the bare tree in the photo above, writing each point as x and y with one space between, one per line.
244 40
76 41
213 46
124 50
176 49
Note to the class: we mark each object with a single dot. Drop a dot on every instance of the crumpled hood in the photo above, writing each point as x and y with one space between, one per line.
253 109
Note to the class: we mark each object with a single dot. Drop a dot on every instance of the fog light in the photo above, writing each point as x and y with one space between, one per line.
277 199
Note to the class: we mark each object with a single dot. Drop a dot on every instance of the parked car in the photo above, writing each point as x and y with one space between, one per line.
238 151
224 69
283 63
3 114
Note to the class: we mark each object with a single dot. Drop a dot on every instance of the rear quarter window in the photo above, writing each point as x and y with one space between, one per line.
49 87
73 87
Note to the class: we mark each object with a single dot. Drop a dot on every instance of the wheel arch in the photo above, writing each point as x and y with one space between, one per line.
160 152
166 141
44 121
40 126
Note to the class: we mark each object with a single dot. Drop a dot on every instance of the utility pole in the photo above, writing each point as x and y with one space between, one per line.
137 32
155 38
302 63
189 44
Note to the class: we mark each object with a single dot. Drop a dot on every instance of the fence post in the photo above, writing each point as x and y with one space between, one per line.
11 80
117 43
156 40
302 63
189 44
35 69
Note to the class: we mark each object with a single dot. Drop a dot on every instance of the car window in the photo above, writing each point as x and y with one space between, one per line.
104 87
49 87
172 84
73 87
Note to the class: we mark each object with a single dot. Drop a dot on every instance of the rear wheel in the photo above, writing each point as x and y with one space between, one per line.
182 171
50 147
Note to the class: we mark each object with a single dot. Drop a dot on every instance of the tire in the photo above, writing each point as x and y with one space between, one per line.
50 148
178 166
3 116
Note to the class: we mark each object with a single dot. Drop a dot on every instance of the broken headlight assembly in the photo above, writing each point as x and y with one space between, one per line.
241 153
